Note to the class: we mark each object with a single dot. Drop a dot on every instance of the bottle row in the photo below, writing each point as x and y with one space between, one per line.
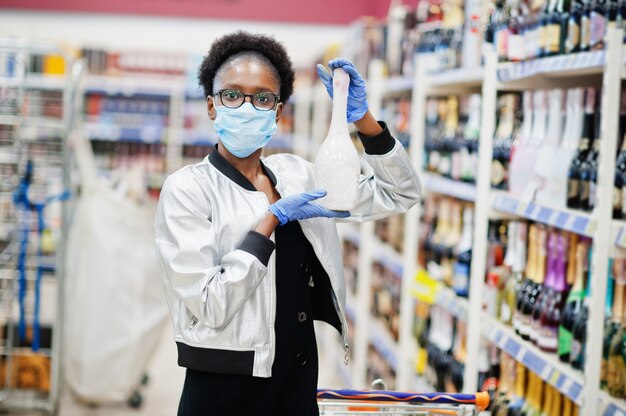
522 30
521 392
445 243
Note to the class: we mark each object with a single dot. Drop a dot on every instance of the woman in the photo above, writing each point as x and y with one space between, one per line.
249 259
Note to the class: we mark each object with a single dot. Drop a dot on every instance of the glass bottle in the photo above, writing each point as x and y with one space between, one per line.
337 165
573 305
572 44
597 25
551 314
539 276
472 134
585 26
613 317
616 364
523 319
520 174
502 142
574 188
589 170
619 208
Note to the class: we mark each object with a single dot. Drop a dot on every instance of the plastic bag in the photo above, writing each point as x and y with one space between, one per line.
115 307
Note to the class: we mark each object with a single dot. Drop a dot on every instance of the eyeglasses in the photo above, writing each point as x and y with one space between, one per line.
263 101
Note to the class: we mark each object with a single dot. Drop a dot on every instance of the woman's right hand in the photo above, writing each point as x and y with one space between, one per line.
301 207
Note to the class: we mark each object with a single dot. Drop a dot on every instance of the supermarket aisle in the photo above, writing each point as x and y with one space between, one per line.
160 396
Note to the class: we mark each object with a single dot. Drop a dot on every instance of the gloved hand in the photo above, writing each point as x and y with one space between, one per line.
300 207
357 96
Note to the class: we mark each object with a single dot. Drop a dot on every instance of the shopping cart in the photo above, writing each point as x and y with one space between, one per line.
383 402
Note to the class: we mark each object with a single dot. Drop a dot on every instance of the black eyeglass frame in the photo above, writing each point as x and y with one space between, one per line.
276 97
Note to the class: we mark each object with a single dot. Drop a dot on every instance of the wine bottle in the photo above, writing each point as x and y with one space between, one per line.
579 331
553 30
597 25
572 43
337 164
569 144
503 141
519 172
543 280
515 52
585 26
551 313
501 35
523 319
589 170
613 317
472 134
574 188
619 208
460 281
449 137
546 170
534 297
573 304
616 368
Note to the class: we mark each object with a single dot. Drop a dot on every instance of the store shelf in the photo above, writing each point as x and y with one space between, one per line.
456 305
35 81
382 340
611 405
566 379
386 255
110 132
135 85
574 221
444 186
31 121
398 85
577 64
456 78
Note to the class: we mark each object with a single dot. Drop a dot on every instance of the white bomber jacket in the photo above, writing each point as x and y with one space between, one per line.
219 276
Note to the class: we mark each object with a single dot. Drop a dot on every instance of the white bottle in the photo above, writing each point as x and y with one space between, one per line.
337 165
538 134
518 176
545 167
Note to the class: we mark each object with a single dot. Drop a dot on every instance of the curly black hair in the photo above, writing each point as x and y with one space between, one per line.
238 43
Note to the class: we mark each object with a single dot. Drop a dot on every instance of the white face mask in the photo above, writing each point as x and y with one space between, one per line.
245 129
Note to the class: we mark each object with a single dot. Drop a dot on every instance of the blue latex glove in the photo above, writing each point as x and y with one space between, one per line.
300 207
357 95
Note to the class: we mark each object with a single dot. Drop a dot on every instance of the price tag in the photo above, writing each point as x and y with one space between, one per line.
554 378
552 220
569 223
521 354
547 371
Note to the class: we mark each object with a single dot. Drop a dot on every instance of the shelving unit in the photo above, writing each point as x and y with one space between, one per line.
599 68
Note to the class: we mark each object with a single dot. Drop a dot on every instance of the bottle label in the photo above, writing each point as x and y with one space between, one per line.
516 48
617 199
584 190
573 190
585 32
553 37
525 322
592 193
535 329
616 374
497 173
548 339
597 28
542 38
576 350
573 35
505 312
565 341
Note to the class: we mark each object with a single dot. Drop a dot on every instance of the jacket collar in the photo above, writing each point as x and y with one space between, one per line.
233 174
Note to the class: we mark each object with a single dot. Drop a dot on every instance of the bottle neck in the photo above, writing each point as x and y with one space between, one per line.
339 122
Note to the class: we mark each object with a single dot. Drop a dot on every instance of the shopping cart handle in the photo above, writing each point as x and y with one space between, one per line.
480 400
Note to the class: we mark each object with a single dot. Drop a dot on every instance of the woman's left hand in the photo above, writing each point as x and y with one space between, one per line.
357 95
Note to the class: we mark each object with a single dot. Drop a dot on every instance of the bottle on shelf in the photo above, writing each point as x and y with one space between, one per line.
472 134
569 144
585 26
546 170
538 134
572 43
503 141
556 296
574 303
619 208
579 328
589 169
615 334
518 168
597 25
574 187
538 295
460 282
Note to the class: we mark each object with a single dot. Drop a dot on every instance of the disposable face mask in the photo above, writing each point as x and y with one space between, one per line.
245 129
